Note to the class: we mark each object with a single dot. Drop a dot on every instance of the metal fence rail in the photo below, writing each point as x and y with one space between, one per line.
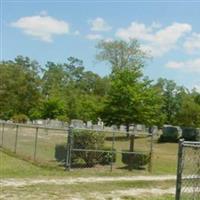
108 157
53 146
33 142
188 171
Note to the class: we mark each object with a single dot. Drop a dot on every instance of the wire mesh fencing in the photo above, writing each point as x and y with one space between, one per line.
32 142
108 150
188 172
86 149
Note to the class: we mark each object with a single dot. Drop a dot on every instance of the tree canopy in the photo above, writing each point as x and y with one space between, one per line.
68 91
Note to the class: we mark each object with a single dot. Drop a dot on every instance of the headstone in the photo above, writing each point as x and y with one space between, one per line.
89 124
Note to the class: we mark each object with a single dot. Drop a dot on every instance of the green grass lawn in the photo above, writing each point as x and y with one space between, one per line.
45 167
13 167
164 156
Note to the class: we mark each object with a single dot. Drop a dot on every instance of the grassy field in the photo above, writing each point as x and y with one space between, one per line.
164 155
12 167
15 166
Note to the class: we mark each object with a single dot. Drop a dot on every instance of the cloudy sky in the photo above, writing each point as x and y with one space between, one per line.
55 30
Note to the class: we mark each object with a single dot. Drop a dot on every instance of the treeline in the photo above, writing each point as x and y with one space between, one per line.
68 91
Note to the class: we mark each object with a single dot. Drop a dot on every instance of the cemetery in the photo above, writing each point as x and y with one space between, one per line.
99 100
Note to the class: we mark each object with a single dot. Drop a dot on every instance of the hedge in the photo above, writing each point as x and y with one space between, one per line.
135 160
89 147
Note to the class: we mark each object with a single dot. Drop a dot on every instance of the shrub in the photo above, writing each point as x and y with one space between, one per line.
87 140
90 158
60 152
107 157
170 134
20 118
135 160
191 134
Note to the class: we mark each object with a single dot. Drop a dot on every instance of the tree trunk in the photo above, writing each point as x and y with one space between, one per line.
132 140
127 130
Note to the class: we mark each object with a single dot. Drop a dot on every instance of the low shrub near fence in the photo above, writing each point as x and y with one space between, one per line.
191 134
84 139
170 134
135 160
108 156
88 149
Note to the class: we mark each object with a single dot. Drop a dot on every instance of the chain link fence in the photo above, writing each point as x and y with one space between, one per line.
188 172
108 150
36 143
55 146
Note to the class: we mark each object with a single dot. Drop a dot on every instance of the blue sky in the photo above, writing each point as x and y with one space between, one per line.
55 30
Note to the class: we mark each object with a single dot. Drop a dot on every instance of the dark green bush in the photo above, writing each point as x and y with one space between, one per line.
135 160
83 141
170 134
20 118
107 157
87 140
191 134
60 152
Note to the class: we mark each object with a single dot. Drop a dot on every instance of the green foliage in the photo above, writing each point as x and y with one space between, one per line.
88 140
172 96
130 100
20 118
135 160
121 54
85 140
191 134
19 86
107 157
189 113
52 108
170 134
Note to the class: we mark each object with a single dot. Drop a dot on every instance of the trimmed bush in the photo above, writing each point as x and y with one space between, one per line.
87 140
20 118
83 141
107 157
60 152
170 134
135 160
191 134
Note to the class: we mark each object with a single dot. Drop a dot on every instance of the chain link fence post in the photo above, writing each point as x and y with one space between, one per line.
35 147
16 138
151 154
112 155
2 134
69 148
179 170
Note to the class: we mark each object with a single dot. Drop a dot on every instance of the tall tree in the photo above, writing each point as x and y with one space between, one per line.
189 113
120 54
20 86
172 98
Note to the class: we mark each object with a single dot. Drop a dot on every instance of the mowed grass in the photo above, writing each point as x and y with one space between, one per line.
13 167
163 161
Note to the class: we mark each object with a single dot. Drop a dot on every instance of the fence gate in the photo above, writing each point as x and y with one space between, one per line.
188 171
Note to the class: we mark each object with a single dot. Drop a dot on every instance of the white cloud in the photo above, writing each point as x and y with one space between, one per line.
42 27
189 66
155 39
94 37
192 43
99 24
